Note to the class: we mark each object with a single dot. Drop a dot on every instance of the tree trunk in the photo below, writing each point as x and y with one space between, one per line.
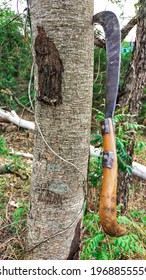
63 50
131 94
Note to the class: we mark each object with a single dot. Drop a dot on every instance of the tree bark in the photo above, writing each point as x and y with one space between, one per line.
131 94
63 51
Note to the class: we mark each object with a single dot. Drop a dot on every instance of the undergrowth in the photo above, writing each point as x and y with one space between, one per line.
14 194
99 246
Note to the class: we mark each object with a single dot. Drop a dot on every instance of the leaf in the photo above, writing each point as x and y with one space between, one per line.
92 244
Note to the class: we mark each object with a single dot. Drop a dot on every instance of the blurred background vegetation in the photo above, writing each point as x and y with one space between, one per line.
15 60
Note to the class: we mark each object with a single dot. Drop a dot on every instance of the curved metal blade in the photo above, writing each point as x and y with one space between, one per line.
111 27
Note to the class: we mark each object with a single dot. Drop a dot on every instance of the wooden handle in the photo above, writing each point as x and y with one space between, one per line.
107 209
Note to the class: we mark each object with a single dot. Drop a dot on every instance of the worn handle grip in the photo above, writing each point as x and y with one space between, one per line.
107 209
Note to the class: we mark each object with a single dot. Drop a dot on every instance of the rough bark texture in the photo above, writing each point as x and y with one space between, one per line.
131 94
63 114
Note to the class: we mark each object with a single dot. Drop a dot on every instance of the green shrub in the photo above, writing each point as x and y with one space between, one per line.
16 58
98 245
3 149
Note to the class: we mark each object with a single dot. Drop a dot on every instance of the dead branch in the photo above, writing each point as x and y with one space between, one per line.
14 118
19 103
139 170
26 155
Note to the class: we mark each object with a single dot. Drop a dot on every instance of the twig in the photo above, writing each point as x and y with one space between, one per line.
98 68
29 85
26 155
10 239
7 206
11 20
8 225
18 102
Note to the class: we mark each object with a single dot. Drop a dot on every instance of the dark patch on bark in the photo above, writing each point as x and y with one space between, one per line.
50 69
75 245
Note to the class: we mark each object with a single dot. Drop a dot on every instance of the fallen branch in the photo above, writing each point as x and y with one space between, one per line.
14 118
139 170
26 155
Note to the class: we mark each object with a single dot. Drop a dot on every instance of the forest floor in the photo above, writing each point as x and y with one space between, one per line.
15 189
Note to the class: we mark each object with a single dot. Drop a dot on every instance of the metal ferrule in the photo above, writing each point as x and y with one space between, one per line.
105 128
108 158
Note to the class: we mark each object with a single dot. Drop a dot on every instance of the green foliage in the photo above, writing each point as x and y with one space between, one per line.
15 58
139 146
91 244
3 149
3 199
16 163
123 129
99 76
100 246
139 215
91 223
13 203
95 172
19 216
